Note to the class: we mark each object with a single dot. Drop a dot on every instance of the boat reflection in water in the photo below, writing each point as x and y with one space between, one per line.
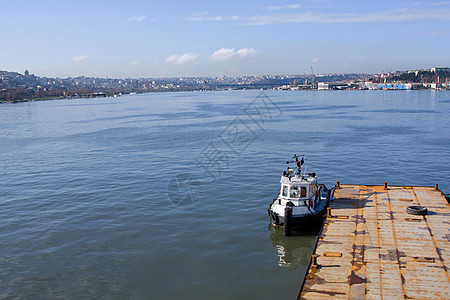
295 251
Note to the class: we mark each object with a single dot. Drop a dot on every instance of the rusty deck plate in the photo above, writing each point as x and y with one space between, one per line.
384 253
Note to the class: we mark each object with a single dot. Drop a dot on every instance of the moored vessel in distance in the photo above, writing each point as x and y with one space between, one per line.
302 201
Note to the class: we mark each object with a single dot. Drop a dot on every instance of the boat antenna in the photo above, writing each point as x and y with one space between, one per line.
298 162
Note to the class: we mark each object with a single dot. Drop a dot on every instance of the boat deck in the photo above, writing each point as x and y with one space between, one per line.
371 248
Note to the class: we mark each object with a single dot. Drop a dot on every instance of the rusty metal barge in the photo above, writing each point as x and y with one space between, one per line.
372 247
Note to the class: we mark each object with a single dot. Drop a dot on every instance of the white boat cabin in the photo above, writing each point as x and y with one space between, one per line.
298 189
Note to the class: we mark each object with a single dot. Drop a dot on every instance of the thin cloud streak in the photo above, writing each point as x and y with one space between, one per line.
393 15
439 3
289 6
293 6
197 17
136 19
205 17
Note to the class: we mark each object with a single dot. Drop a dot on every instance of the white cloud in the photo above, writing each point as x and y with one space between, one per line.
134 62
136 19
314 60
79 59
245 53
225 54
179 59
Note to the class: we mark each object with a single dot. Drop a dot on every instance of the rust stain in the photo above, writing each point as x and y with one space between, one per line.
360 219
391 255
358 251
355 279
357 266
316 279
391 214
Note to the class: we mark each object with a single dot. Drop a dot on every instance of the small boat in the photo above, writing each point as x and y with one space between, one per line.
302 201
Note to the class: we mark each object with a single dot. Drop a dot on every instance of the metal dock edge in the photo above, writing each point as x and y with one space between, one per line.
371 248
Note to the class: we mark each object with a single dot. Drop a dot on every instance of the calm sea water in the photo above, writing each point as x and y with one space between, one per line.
165 196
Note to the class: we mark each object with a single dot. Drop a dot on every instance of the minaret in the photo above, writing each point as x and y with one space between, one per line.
26 73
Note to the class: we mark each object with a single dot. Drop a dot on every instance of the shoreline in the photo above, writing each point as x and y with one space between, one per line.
104 95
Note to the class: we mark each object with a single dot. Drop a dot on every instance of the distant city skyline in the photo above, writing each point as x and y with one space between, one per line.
142 39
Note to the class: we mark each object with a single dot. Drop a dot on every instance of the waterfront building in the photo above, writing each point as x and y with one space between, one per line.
394 86
322 86
440 69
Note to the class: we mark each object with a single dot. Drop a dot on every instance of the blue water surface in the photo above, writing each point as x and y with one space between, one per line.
165 195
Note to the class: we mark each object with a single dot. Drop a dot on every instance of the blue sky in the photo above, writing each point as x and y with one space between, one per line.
123 39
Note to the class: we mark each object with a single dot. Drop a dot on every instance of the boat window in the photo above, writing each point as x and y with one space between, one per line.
285 190
303 192
294 192
312 189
